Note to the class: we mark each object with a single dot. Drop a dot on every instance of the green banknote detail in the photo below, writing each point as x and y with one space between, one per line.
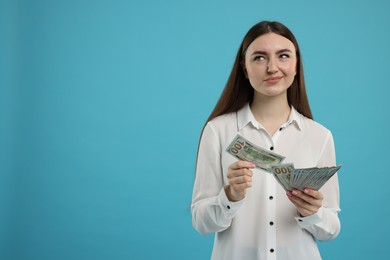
244 150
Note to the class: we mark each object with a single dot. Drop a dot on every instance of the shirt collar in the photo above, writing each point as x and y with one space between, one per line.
295 118
245 116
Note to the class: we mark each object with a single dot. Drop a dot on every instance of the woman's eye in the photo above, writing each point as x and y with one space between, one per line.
284 56
259 58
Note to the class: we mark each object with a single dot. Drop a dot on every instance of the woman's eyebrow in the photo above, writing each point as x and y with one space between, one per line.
259 52
284 50
265 53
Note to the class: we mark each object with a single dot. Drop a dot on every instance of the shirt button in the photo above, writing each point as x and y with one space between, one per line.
271 223
300 220
280 129
271 197
228 206
272 250
271 148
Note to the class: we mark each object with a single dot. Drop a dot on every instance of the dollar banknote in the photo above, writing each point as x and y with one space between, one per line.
282 173
313 178
244 150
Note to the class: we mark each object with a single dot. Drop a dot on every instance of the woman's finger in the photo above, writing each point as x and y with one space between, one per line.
241 179
242 164
306 204
239 172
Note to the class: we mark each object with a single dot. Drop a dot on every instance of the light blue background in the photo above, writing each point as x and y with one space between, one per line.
102 104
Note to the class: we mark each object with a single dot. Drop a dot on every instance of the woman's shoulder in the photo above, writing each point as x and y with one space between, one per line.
223 122
313 126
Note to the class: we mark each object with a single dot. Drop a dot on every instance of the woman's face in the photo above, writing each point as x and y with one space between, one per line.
270 64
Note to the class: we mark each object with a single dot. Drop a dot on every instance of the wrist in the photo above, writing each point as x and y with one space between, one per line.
231 195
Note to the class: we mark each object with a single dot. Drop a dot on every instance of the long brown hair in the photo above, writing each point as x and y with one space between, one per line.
238 90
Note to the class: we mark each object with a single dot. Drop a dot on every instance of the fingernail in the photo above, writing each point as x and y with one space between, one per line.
295 192
306 190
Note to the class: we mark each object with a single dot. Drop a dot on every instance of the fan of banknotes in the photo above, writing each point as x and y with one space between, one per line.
289 177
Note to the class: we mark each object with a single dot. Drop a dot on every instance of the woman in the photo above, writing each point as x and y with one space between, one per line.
265 101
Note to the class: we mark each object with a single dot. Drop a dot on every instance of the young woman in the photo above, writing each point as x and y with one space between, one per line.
264 101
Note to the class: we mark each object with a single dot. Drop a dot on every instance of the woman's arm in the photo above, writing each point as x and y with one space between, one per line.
211 209
319 210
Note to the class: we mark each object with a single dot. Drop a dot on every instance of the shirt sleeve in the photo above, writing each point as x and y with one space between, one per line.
325 224
211 210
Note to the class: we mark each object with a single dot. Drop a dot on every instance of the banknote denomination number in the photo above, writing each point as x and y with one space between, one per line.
282 170
237 147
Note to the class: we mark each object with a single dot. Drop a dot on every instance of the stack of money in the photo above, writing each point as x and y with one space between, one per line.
313 178
289 177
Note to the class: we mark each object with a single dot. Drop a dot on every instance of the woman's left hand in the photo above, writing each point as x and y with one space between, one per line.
308 202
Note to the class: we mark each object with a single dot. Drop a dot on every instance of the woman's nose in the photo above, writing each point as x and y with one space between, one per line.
272 67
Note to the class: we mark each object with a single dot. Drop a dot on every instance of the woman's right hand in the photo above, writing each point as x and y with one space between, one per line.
240 178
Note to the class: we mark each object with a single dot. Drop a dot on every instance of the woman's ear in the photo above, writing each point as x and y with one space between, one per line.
244 69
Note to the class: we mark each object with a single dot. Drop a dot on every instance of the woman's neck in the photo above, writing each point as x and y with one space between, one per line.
271 112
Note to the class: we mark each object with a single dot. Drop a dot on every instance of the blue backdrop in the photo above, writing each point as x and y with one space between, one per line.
102 104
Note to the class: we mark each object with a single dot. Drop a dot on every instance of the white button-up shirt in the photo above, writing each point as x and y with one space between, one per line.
265 224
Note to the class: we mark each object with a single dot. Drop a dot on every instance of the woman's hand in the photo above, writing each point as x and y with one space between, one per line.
307 202
240 178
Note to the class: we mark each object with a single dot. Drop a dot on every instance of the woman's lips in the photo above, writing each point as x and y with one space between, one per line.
273 80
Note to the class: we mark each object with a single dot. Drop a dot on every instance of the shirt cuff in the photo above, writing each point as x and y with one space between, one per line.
305 222
229 208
